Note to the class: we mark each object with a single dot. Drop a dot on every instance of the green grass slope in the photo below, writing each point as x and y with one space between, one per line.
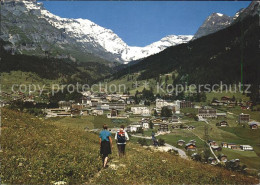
142 166
37 152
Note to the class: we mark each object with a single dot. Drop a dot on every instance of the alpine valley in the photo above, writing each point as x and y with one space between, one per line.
28 29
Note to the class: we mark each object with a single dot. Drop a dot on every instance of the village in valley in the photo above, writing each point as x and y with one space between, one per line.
182 124
219 131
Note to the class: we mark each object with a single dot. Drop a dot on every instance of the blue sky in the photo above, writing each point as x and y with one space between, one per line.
140 23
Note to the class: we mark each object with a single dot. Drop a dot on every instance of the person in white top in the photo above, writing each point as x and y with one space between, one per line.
121 137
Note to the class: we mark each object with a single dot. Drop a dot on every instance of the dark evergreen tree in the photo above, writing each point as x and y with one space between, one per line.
155 113
166 78
166 112
151 125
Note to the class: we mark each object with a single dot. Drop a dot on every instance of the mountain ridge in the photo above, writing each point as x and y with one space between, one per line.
83 33
213 23
210 59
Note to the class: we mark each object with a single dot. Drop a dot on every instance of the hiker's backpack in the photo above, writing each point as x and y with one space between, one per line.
121 137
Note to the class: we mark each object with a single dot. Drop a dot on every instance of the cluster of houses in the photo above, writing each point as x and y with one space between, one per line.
231 102
143 111
190 146
115 106
245 119
163 125
94 104
7 98
175 106
17 96
234 146
141 125
106 101
209 112
65 109
214 161
13 95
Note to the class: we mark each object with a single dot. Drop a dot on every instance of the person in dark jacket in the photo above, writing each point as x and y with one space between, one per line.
105 144
155 142
121 137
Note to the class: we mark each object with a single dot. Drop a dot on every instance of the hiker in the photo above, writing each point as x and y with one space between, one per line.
155 142
105 144
121 137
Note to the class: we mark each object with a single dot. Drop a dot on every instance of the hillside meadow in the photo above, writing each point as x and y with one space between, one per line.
37 151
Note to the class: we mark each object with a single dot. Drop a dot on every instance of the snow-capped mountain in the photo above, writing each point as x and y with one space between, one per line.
135 53
30 28
213 23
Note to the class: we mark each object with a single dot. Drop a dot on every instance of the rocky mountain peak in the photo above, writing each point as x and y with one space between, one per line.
214 23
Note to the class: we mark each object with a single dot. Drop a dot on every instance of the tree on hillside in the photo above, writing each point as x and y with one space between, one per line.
161 142
151 125
136 99
155 113
128 91
142 142
166 78
206 153
233 99
158 95
173 77
255 94
180 96
146 103
148 94
166 112
157 78
66 95
166 85
203 96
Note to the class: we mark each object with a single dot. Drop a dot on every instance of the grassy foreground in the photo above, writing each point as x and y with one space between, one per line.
41 152
37 152
143 166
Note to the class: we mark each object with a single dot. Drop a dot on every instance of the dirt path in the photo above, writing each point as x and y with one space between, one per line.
206 143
